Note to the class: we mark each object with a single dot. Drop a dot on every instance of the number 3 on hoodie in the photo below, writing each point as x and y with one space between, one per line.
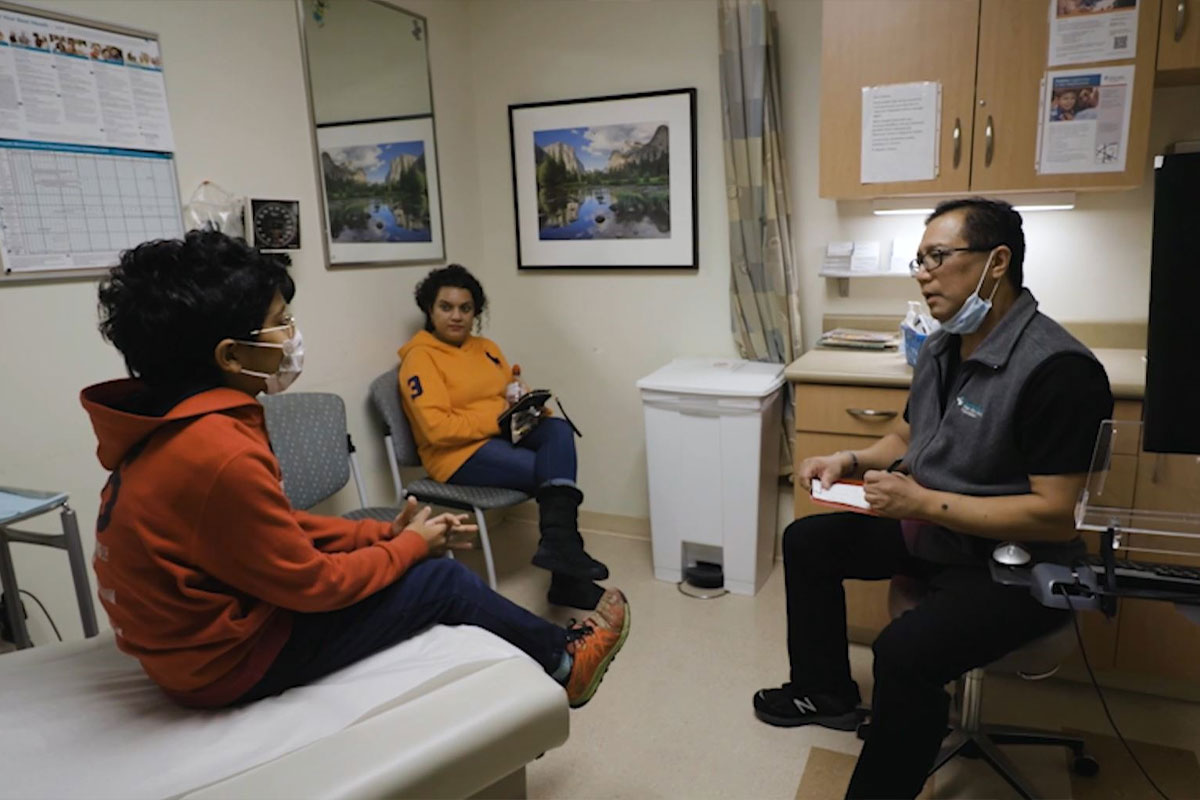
414 383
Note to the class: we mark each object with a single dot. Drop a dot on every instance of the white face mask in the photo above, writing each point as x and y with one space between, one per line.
290 366
974 310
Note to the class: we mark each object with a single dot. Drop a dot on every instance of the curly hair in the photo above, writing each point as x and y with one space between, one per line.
168 303
454 276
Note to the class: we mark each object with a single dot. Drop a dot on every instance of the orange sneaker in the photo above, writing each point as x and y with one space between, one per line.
594 643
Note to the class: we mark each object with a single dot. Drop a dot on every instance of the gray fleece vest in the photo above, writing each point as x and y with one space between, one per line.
970 445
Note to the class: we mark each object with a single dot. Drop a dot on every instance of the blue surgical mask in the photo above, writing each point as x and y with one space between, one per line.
975 310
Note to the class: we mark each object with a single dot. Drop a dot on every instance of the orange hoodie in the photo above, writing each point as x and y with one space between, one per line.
200 558
453 397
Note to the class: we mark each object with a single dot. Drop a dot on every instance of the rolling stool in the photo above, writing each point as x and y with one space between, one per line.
21 504
971 737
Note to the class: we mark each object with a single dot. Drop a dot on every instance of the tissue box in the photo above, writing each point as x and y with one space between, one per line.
912 344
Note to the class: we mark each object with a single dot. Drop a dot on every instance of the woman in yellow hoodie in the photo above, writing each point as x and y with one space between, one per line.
452 383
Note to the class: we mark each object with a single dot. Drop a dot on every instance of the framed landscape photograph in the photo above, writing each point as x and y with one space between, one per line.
606 182
380 189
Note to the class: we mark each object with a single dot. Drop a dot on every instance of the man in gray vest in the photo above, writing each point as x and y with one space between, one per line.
1003 412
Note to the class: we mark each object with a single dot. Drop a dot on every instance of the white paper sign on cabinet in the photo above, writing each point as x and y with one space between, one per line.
900 128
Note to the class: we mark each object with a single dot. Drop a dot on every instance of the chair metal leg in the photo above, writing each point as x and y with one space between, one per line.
357 475
395 470
487 547
83 589
12 603
957 743
1004 734
973 739
971 701
1004 767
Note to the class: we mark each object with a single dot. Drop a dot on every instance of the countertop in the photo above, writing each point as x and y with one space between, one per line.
1126 369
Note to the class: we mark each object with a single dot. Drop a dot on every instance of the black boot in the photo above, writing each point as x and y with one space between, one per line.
574 592
561 547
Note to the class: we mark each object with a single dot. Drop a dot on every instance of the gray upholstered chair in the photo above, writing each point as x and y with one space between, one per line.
402 452
973 738
316 455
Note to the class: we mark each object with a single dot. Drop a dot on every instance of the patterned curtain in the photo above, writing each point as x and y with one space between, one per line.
764 298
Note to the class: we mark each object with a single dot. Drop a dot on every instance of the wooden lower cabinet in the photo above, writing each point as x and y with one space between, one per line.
1099 632
1155 639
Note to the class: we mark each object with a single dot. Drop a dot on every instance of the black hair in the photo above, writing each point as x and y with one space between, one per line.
168 303
454 276
990 223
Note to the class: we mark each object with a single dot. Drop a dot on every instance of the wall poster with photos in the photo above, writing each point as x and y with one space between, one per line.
606 182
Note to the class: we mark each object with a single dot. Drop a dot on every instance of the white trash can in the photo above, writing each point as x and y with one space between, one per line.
712 455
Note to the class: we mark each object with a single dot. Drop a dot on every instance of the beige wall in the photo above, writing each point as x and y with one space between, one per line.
238 110
237 104
590 336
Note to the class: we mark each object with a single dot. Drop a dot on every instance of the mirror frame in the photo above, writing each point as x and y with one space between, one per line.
323 211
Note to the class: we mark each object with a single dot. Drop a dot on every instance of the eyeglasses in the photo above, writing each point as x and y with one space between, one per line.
289 325
933 259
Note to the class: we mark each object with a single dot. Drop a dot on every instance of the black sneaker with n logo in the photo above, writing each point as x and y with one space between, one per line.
787 707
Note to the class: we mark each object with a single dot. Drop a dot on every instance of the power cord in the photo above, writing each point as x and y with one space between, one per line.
44 611
1104 703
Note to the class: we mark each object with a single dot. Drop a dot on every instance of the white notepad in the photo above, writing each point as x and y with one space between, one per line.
847 494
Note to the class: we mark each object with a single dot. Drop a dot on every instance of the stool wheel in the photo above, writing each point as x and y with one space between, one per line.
1085 765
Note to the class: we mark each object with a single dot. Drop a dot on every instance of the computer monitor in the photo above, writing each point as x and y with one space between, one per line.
1171 409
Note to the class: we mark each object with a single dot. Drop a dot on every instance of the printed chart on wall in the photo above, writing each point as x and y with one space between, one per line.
86 154
1083 124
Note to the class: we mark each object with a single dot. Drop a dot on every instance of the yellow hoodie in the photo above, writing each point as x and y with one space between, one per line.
453 397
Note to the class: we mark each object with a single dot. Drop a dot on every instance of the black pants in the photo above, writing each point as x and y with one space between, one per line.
966 621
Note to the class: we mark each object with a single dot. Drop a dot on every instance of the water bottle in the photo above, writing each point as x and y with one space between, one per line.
512 392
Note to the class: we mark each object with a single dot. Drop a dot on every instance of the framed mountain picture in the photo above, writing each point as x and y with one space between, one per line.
380 194
606 182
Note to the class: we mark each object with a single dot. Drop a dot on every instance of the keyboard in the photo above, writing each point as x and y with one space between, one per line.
1145 575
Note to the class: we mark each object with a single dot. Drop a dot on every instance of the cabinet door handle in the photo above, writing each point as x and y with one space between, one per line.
871 414
1180 18
958 140
989 134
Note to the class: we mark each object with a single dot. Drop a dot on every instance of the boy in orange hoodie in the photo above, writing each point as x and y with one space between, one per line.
210 578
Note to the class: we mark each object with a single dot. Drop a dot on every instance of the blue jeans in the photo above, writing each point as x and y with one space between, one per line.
545 455
436 590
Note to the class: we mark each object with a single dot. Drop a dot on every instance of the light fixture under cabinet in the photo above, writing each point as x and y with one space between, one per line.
1032 201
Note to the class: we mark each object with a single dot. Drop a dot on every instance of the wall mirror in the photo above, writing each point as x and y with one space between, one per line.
371 103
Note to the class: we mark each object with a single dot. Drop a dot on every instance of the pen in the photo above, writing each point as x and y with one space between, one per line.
898 466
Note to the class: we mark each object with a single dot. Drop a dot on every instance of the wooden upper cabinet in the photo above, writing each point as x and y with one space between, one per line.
1179 43
990 57
874 42
1013 43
